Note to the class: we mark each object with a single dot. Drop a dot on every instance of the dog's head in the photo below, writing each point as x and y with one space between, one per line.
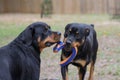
75 35
39 35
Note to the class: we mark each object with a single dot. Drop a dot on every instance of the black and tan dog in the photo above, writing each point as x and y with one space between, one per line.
20 60
83 37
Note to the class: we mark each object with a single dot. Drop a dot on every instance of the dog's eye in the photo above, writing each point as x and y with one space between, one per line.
49 27
77 34
45 30
70 30
65 35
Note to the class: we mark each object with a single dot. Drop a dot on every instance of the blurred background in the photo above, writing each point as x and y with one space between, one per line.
16 15
111 7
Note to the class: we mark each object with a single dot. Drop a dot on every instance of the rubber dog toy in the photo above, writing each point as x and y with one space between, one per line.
58 47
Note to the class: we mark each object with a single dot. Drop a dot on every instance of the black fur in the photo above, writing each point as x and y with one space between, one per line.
20 60
87 51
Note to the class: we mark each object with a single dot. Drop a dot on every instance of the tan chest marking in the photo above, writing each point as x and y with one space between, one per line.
82 62
64 57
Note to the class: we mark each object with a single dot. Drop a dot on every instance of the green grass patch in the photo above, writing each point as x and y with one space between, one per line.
9 31
108 30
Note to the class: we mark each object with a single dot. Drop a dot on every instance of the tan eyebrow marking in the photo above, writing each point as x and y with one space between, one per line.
70 30
77 32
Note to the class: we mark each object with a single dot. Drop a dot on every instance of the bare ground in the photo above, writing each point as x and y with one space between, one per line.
107 66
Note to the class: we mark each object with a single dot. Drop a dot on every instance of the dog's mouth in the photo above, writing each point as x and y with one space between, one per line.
52 39
69 46
48 44
49 40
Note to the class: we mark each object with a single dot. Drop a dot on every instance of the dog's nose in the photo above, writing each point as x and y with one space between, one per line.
58 33
68 45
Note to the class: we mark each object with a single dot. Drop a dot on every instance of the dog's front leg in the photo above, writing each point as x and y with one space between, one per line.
64 72
82 71
91 71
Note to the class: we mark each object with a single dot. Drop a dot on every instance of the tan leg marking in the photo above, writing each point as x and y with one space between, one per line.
66 76
91 71
80 75
63 57
83 63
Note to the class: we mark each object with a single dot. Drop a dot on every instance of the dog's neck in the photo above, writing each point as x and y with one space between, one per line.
35 46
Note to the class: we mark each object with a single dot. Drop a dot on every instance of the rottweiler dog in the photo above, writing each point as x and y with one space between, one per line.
82 36
20 59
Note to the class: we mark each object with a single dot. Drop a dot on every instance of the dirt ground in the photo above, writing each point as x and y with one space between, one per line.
107 66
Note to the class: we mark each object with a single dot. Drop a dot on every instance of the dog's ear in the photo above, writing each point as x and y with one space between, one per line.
67 30
67 26
92 25
87 31
27 35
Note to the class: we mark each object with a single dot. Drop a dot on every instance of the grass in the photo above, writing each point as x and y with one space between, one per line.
108 30
9 31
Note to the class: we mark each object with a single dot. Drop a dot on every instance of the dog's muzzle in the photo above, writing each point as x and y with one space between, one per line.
56 38
68 45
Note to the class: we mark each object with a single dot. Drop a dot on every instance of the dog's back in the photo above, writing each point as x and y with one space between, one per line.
18 63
